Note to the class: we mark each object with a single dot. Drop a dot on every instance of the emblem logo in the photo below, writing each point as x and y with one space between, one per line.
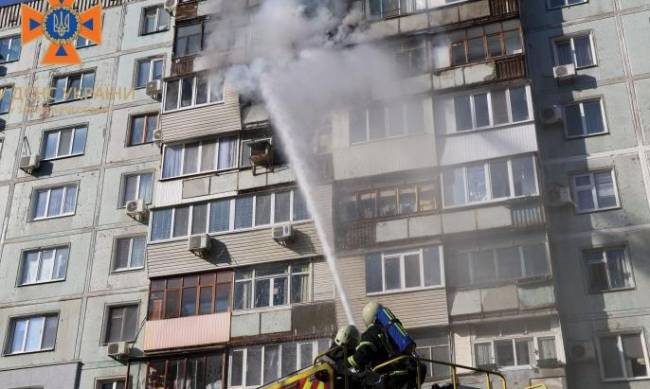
61 24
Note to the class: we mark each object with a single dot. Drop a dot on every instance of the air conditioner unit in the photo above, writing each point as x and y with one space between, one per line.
170 6
564 72
582 351
118 350
552 114
199 245
137 209
154 89
157 135
558 196
29 163
283 233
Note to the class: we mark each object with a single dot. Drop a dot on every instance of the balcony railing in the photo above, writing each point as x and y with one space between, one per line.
511 68
190 331
504 7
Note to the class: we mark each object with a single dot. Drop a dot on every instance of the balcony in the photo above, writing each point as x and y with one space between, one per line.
502 69
183 332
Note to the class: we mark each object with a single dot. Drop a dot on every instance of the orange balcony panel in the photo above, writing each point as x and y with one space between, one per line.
188 331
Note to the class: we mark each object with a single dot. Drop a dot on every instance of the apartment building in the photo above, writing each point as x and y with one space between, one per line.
589 66
72 265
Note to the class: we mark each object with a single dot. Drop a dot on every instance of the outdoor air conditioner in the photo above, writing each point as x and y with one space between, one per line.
283 233
118 350
564 72
137 209
552 114
170 6
199 245
157 135
582 351
558 196
29 163
154 89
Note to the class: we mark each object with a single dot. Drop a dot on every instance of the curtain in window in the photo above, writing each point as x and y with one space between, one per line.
271 363
254 364
523 176
41 202
219 215
483 354
146 186
476 183
593 117
605 189
611 357
137 253
616 268
79 140
122 253
50 148
454 187
431 265
299 288
47 265
30 267
35 333
60 263
56 199
583 51
70 198
564 52
161 224
172 161
18 336
227 151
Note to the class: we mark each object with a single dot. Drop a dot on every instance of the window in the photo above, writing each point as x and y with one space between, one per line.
584 118
411 56
546 348
392 8
72 87
129 253
10 49
482 44
577 50
608 269
247 146
44 265
484 110
499 264
111 384
257 365
148 69
386 120
199 157
190 295
225 215
54 202
595 191
122 323
189 39
436 349
202 371
623 356
5 99
504 353
271 286
199 89
64 142
389 272
30 334
487 181
563 3
142 128
137 186
82 42
154 19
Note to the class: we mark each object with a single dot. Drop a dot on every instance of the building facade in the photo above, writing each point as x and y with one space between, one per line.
163 241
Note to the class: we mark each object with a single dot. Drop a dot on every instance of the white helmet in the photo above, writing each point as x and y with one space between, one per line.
370 313
348 335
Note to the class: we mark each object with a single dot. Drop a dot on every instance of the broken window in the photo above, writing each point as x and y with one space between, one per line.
608 269
624 356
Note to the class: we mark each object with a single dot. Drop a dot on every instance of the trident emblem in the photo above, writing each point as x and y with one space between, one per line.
61 23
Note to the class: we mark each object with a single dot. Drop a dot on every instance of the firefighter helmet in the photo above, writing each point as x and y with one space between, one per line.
348 335
370 313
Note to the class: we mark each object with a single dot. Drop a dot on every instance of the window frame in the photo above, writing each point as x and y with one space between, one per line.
580 104
464 42
12 39
100 382
644 346
571 39
3 90
594 191
182 362
11 328
123 186
385 107
272 277
187 23
74 129
146 116
115 254
107 321
401 10
23 256
82 90
152 59
627 265
143 14
533 352
216 141
565 5
34 201
193 104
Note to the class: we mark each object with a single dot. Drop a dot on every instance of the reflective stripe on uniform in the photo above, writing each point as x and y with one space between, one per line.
352 362
365 343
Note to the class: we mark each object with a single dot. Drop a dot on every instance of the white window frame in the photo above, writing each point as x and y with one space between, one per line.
401 256
571 39
12 41
114 382
56 249
159 9
114 268
488 183
83 89
618 334
47 201
3 90
565 5
11 334
385 109
199 158
125 177
58 140
193 104
594 192
533 349
272 277
583 130
627 264
488 93
152 61
231 227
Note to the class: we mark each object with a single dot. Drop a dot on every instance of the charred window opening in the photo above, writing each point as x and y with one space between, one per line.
202 371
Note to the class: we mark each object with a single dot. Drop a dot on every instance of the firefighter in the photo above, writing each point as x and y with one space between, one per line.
346 341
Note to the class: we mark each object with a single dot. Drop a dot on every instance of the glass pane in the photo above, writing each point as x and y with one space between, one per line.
181 220
377 122
152 124
458 53
122 253
18 336
598 276
584 55
499 107
427 197
357 126
51 139
271 363
254 365
395 120
476 49
535 260
191 158
513 42
523 176
242 299
407 200
157 71
199 218
130 188
65 140
412 271
299 288
573 120
483 354
387 202
79 140
172 161
509 263
476 185
244 212
227 149
605 190
171 97
373 273
146 187
504 353
186 91
611 357
392 273
519 104
547 348
30 267
494 45
367 205
70 198
280 291
499 180
56 198
137 254
202 89
454 187
208 160
616 267
116 317
634 356
205 300
282 207
585 200
481 110
483 266
47 265
289 358
220 215
188 306
262 209
143 74
49 337
236 367
216 87
161 224
262 293
300 211
463 112
306 354
431 265
171 303
523 352
593 117
564 52
35 333
41 203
